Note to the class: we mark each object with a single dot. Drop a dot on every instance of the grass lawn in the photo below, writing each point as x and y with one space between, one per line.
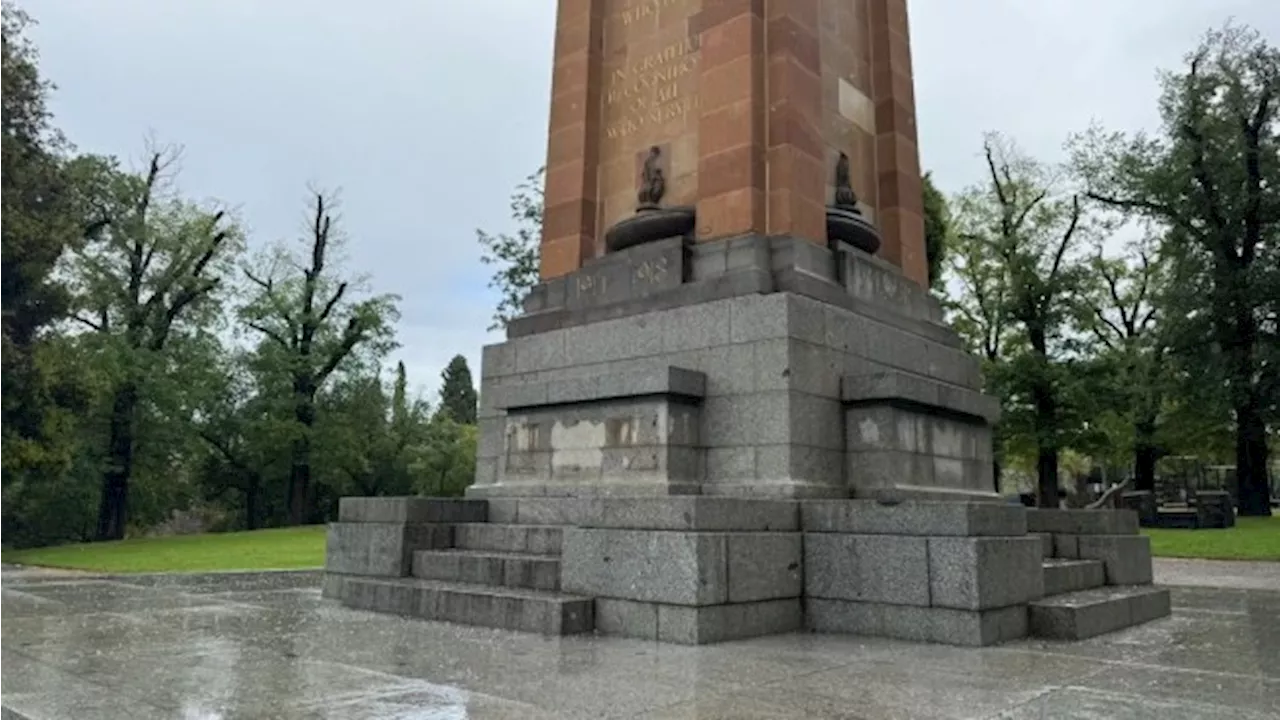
1252 538
276 549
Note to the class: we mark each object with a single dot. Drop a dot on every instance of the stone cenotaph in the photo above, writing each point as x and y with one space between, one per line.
731 406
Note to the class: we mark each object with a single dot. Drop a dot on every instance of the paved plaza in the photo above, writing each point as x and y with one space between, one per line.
267 646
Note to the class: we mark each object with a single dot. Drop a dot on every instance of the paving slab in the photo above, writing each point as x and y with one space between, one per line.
228 646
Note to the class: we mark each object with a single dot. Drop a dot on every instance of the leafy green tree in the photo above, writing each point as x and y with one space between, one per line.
1119 305
515 256
1209 178
145 283
457 393
374 434
446 463
937 228
314 328
240 425
39 224
1015 233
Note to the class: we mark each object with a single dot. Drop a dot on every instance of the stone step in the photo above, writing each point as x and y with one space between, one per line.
1064 576
494 537
533 611
479 567
1086 613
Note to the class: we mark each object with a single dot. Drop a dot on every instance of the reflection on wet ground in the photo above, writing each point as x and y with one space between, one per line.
267 646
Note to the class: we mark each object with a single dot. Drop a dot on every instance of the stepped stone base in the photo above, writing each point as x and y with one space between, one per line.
465 604
1087 613
698 569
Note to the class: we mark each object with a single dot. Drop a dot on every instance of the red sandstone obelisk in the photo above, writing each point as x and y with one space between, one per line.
751 103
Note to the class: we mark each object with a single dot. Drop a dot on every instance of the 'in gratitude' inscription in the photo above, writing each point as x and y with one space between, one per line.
648 90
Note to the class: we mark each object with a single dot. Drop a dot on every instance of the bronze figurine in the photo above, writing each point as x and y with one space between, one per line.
652 184
845 197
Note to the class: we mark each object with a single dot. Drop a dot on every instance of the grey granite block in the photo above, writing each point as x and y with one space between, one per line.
695 326
1127 558
1082 522
761 418
503 608
801 464
627 618
482 568
497 360
503 510
697 513
1088 613
721 623
582 511
682 568
668 381
913 518
612 341
984 573
1063 576
871 568
896 386
386 549
411 510
764 566
1066 546
1046 543
530 539
730 465
1145 606
919 624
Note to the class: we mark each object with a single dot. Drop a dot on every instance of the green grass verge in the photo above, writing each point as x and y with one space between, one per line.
276 549
1253 538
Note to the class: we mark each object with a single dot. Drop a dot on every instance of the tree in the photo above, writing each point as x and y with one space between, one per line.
937 227
1016 231
38 227
457 393
314 328
446 463
1120 312
148 275
1209 178
516 256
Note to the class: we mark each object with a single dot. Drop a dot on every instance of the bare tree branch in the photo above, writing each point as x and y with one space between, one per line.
268 288
352 335
269 333
333 301
87 322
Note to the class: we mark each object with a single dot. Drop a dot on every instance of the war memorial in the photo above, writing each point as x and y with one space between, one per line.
731 407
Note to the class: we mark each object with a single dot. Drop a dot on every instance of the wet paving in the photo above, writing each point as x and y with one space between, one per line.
216 647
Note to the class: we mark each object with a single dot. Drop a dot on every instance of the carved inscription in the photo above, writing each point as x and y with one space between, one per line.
645 9
590 285
651 89
653 272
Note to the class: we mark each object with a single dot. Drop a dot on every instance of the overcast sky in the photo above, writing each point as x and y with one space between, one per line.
425 113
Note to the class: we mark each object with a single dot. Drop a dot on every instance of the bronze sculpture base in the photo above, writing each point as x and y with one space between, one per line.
650 224
848 225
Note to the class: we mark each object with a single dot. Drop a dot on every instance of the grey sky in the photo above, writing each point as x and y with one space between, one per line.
427 112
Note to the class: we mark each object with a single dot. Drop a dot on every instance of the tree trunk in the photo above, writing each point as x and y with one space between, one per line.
1144 467
300 479
304 412
1145 454
1046 424
113 511
1254 492
251 513
1047 476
